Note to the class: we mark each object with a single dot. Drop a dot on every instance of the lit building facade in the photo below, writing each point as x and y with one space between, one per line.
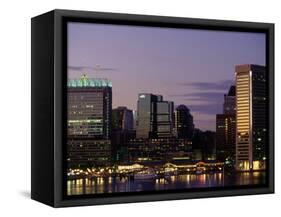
89 104
161 150
251 111
183 122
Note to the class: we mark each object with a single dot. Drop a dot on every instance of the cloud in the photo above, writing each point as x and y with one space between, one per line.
96 68
203 102
201 96
210 108
222 85
204 97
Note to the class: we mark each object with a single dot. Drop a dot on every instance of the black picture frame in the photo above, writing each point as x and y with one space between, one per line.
48 76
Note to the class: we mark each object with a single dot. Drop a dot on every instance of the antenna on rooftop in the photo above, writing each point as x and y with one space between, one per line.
96 69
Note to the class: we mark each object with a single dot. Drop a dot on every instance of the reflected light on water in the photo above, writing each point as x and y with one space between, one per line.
115 184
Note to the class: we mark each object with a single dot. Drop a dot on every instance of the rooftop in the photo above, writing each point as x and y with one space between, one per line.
182 107
232 91
84 81
249 67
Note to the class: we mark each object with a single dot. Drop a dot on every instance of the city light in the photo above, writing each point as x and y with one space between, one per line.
158 138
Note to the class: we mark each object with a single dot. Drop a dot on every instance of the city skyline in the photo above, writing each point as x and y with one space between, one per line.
100 159
176 55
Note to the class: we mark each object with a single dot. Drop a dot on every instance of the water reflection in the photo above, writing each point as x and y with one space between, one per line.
115 184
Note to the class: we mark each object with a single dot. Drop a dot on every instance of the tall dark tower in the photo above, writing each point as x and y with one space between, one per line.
229 105
251 130
226 128
225 137
183 122
122 118
122 132
89 104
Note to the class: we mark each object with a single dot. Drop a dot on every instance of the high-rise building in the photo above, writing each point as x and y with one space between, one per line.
89 103
251 116
183 122
229 105
145 115
225 137
122 132
134 119
122 119
203 145
164 116
154 116
226 128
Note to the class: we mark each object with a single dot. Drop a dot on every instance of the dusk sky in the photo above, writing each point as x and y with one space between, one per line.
190 67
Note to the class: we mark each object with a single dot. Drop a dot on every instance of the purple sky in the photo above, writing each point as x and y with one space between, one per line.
191 67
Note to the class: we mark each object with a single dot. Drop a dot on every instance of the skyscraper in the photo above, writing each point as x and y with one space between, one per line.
164 118
229 105
89 104
225 137
226 128
122 132
183 122
134 119
251 130
154 116
122 118
146 120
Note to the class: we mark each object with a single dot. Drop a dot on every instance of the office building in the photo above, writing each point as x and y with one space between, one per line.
159 150
225 137
145 115
122 132
203 145
183 122
226 128
229 105
122 118
164 119
251 117
154 116
89 103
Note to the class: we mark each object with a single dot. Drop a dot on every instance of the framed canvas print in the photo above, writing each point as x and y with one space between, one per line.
133 108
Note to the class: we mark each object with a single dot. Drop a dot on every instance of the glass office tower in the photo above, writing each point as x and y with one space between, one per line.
154 116
164 118
89 104
146 119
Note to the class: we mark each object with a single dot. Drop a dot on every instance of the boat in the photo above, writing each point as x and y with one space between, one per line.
200 170
145 174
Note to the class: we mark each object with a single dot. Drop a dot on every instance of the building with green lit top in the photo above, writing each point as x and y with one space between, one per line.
89 111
